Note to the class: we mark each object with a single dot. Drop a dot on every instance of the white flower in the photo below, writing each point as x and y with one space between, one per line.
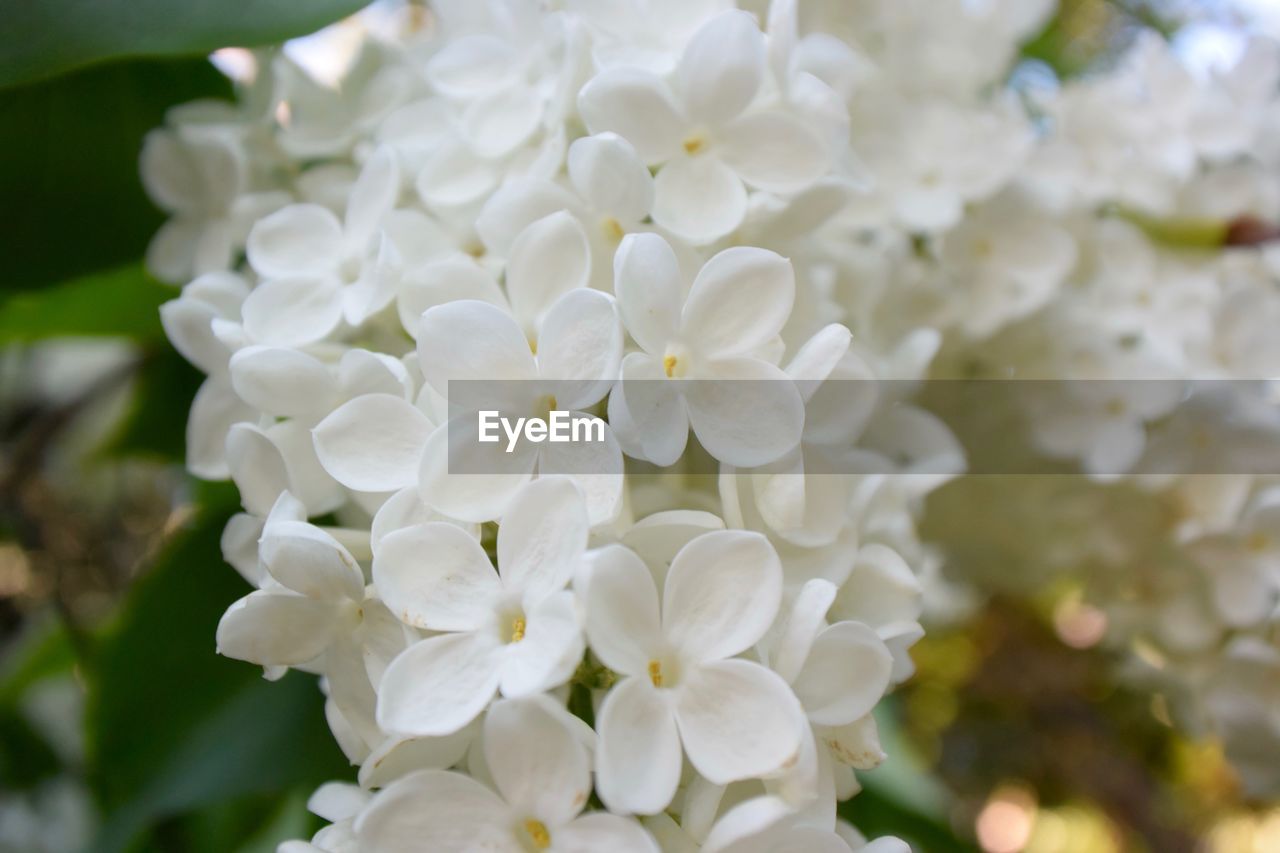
577 347
701 130
514 630
681 683
743 409
541 780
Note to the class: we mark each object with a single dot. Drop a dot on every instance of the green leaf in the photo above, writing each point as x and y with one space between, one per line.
41 38
121 303
174 728
69 162
156 423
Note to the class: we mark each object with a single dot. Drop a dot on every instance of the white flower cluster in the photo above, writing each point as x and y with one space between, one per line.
688 195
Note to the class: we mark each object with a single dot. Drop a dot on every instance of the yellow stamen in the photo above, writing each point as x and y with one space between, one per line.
517 629
538 832
655 672
669 365
612 228
694 144
1258 541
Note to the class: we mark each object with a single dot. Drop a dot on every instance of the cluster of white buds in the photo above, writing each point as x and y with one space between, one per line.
687 221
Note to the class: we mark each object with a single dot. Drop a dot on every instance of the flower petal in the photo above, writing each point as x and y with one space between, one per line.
276 629
638 107
537 763
300 240
620 603
373 443
775 152
638 754
466 479
739 301
803 624
373 196
214 411
846 673
580 347
436 576
307 560
439 811
471 340
550 651
603 831
541 537
698 198
722 593
648 413
281 381
737 720
746 412
647 283
722 67
499 123
607 171
548 259
397 757
257 467
438 685
293 312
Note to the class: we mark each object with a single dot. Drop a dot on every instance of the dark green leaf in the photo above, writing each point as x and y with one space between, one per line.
172 727
155 426
41 38
122 303
69 151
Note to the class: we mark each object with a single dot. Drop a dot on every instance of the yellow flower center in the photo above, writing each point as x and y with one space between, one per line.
694 144
1258 541
655 672
537 831
612 228
669 365
517 629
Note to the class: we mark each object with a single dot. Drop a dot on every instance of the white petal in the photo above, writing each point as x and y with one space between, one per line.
454 176
647 413
580 347
281 381
603 831
776 152
500 123
301 240
550 651
436 576
722 593
373 196
638 107
363 372
439 811
472 65
373 443
469 480
647 283
307 560
737 720
541 537
746 822
440 282
596 467
291 312
472 341
397 757
438 685
257 467
698 198
607 171
188 326
638 755
722 67
335 801
537 763
621 607
516 204
847 672
215 409
739 301
818 357
276 629
881 589
855 744
746 413
806 619
549 258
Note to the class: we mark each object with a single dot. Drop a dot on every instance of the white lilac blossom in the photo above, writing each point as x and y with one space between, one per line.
697 221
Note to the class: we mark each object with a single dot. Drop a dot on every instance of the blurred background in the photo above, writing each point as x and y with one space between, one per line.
121 730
